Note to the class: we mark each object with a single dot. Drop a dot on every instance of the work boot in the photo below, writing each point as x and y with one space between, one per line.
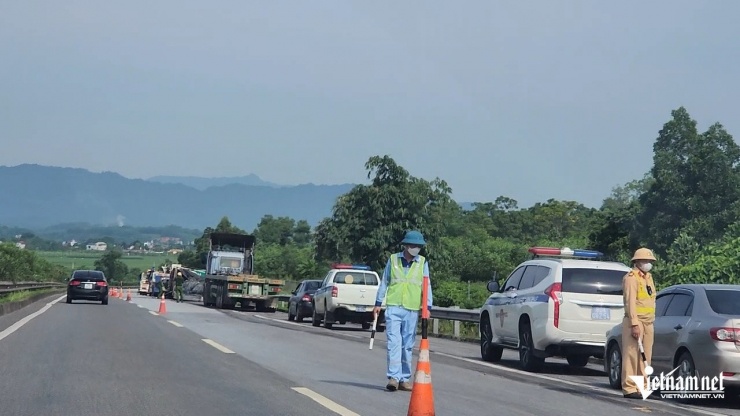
405 386
392 384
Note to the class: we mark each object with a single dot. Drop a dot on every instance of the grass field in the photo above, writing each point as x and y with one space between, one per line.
86 259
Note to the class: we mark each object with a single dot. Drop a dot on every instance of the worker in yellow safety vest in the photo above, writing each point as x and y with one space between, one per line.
639 293
401 286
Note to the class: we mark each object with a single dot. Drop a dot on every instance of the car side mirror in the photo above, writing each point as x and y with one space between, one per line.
294 292
493 286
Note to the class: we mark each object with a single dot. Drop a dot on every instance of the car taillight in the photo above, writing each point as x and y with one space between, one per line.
306 298
233 286
334 291
725 334
102 284
554 292
74 283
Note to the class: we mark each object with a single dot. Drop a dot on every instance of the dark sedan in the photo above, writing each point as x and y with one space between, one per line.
88 285
299 304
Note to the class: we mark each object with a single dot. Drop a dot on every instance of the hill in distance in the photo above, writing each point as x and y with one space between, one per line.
38 197
202 184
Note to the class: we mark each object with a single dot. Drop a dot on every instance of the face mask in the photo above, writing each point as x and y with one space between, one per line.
646 267
413 251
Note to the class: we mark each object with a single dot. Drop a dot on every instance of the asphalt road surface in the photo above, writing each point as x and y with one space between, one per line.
124 359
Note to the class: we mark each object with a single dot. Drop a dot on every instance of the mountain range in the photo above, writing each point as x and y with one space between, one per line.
35 196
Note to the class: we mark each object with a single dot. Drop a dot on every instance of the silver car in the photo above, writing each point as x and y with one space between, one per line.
697 327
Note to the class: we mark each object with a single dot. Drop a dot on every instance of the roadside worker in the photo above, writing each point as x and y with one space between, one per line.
157 286
178 286
402 282
639 314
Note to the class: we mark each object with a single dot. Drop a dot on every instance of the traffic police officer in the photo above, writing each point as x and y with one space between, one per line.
402 282
639 314
178 286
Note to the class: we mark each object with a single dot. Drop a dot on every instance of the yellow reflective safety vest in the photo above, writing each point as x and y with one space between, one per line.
405 285
639 302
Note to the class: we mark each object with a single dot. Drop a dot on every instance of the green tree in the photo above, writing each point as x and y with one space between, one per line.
111 264
272 230
369 221
615 231
696 184
302 233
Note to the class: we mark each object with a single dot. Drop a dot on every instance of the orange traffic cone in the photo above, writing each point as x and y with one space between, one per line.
128 296
120 294
162 307
422 396
115 293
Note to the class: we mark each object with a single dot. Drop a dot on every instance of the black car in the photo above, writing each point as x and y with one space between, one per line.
88 285
299 304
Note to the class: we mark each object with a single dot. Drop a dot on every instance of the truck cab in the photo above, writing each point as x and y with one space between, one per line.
347 294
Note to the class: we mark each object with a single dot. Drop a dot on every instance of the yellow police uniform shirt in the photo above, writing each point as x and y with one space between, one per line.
639 303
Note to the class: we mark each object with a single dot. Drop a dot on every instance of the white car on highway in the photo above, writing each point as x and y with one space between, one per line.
560 303
347 294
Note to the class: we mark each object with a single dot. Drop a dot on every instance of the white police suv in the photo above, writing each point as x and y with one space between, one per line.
560 303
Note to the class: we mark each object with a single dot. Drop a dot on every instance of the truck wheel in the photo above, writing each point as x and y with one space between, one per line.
315 320
220 297
366 325
206 294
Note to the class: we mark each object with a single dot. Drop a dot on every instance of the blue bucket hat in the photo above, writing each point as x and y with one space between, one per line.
414 237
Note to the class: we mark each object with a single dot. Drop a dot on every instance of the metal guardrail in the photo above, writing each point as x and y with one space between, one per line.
456 314
7 287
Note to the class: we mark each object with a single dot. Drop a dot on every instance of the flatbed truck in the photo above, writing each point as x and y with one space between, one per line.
230 278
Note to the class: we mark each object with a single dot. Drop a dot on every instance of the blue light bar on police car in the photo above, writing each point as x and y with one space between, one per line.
350 266
565 252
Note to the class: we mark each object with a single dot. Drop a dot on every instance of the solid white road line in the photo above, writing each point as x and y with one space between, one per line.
141 306
572 383
16 326
175 324
218 346
153 313
331 405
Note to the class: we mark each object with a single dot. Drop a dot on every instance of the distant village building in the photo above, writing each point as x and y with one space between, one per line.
21 245
99 246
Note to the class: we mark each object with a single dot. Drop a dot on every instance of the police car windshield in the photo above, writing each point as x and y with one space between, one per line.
593 281
356 278
724 302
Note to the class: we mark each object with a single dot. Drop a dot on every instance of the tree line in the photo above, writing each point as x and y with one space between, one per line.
686 208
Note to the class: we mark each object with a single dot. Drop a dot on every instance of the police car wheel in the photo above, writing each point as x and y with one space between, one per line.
614 364
527 358
488 351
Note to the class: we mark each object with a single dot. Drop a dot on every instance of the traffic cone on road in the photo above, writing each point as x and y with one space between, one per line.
162 307
120 294
422 395
128 296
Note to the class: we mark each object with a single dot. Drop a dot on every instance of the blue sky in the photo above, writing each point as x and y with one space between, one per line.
532 100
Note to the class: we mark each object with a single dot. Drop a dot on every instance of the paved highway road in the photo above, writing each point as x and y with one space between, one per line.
125 359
